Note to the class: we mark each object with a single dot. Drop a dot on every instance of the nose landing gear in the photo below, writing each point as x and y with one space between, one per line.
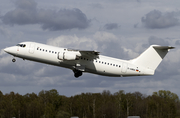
13 60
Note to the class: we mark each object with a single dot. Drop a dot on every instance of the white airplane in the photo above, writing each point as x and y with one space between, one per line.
90 61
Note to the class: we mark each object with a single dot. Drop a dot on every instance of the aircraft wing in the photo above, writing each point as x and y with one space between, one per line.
87 53
93 53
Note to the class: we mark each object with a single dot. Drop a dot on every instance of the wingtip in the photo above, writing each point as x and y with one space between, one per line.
172 47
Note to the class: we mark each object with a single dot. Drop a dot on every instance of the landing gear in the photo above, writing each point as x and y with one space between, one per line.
77 73
13 60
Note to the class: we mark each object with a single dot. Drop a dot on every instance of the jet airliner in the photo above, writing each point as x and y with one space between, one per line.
80 61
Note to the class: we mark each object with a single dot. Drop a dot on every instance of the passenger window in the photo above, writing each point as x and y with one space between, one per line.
49 51
43 50
52 51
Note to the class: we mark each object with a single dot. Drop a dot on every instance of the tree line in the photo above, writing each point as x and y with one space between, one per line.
49 104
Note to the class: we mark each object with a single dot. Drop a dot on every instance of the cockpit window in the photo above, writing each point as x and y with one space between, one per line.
21 45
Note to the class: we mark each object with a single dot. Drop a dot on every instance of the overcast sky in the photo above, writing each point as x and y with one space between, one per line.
117 28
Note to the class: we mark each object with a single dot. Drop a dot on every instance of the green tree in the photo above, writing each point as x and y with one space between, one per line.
63 114
119 96
167 104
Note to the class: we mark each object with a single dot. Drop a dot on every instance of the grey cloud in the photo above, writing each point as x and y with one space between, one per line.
19 17
157 20
18 68
157 41
26 4
51 71
26 12
111 26
5 32
136 25
96 5
39 76
177 42
63 19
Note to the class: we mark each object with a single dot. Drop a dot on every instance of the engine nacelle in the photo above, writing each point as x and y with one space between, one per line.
67 56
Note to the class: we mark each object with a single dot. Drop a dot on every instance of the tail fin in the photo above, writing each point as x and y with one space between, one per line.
152 57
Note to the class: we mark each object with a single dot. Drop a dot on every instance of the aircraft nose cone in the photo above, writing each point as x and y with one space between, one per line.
6 49
11 50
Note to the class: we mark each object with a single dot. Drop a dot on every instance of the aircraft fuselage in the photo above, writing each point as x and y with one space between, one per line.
78 61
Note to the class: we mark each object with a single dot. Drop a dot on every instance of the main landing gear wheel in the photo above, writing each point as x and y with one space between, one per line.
77 73
13 60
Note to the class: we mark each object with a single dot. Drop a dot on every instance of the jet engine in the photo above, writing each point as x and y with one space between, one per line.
67 56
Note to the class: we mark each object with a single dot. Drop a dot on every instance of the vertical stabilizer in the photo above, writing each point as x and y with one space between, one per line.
152 57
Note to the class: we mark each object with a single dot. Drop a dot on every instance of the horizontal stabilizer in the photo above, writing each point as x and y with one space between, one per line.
162 47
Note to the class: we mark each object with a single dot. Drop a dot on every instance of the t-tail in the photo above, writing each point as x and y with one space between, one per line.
151 58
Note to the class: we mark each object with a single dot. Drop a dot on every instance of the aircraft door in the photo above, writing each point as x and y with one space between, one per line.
31 48
124 68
